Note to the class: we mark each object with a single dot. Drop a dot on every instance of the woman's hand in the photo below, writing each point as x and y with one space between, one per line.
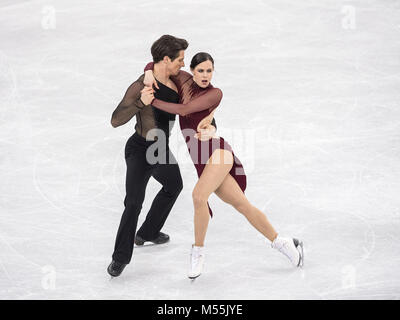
149 79
147 95
205 130
206 121
206 133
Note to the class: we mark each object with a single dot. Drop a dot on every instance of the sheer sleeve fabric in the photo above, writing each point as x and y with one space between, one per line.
179 79
129 105
209 100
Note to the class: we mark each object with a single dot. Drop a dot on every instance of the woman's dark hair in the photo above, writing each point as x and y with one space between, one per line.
199 58
169 46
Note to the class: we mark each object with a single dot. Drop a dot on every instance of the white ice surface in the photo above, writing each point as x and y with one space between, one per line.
311 106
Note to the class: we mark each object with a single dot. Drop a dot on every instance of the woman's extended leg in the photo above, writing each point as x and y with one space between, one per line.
230 192
214 173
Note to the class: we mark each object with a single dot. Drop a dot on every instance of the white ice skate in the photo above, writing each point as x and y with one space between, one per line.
196 262
291 248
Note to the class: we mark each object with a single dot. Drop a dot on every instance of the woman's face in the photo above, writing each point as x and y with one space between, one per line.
202 73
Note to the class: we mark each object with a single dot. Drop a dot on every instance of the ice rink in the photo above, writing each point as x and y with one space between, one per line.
311 107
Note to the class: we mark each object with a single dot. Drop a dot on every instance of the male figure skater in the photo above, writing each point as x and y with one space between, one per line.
152 126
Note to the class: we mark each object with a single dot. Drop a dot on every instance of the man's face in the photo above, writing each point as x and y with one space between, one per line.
175 65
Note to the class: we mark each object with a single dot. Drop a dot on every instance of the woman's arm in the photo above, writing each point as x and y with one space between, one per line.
179 79
209 100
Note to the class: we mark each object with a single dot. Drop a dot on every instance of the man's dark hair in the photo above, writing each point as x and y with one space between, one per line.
169 46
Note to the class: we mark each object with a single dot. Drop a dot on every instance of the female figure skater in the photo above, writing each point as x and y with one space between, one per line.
219 170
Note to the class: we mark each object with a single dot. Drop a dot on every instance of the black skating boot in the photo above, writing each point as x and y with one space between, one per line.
115 268
162 238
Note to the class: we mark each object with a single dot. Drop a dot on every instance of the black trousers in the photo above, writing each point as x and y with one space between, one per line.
138 174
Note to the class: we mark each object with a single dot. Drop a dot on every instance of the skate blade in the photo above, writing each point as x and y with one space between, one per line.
192 279
300 248
149 244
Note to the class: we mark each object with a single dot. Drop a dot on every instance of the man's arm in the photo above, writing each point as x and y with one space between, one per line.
130 104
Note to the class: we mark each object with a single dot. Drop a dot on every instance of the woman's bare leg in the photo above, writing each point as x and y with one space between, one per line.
214 173
230 192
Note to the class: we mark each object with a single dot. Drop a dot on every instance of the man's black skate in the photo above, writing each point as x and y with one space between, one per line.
115 268
162 238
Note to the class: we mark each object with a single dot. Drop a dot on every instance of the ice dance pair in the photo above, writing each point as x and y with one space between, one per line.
155 99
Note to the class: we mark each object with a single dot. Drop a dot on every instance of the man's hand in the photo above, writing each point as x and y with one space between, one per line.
149 79
147 95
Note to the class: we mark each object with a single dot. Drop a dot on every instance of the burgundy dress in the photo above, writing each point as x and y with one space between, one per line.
195 104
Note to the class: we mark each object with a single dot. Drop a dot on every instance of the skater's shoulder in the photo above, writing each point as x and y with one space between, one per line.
140 79
136 85
215 92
